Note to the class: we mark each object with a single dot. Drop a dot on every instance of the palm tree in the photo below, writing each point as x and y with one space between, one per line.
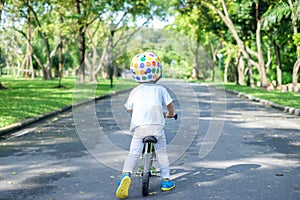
286 8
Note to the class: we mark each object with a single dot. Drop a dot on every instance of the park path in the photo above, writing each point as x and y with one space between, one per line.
238 150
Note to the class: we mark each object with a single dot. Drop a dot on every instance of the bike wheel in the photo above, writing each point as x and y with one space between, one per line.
146 174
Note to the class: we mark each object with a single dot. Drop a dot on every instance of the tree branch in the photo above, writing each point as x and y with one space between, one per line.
250 51
224 8
31 48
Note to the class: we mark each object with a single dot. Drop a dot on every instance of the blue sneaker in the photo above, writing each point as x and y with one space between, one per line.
167 185
123 186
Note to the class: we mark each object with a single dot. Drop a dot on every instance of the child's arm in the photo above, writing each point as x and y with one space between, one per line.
170 112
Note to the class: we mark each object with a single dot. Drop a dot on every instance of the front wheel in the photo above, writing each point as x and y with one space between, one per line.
146 174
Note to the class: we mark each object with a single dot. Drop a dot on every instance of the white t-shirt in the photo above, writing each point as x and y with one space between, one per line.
146 102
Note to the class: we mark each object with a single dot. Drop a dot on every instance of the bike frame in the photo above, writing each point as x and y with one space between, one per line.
148 157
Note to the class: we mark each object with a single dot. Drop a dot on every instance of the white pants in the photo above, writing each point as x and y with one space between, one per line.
136 148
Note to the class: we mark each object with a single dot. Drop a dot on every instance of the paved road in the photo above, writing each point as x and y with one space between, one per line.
231 149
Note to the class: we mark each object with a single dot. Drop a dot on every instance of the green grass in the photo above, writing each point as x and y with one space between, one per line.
282 98
28 98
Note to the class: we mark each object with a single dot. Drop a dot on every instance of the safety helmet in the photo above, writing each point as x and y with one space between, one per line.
145 67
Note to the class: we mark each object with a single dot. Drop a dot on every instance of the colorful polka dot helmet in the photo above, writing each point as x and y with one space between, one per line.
145 67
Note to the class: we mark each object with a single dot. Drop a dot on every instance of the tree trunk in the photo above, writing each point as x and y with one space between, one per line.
227 62
241 71
48 67
226 71
250 81
214 57
261 62
0 62
81 45
2 2
195 72
295 75
1 8
97 61
60 62
60 56
28 48
47 75
231 27
236 72
297 63
226 19
260 57
47 71
93 77
278 63
101 69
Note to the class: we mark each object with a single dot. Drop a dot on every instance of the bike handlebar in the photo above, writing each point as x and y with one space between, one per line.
175 116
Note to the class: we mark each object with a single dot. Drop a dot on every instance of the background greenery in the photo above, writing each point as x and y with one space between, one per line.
259 40
250 42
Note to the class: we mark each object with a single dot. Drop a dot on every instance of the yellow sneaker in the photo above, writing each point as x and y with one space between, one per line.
123 186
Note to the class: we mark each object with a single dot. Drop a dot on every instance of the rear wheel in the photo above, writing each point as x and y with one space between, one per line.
146 174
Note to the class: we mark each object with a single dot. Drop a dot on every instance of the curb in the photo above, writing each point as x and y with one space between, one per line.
31 120
286 109
26 122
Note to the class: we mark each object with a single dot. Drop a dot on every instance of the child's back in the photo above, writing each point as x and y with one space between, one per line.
146 102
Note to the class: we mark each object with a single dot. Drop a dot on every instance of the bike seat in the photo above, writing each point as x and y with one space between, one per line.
150 139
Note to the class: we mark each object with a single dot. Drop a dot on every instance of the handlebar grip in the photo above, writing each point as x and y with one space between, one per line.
175 116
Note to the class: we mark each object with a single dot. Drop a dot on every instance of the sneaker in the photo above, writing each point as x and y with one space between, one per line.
123 186
167 185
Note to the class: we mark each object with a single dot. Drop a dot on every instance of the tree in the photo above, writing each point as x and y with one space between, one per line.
88 12
83 12
42 30
39 23
29 49
1 8
276 14
192 25
201 26
42 24
245 50
114 30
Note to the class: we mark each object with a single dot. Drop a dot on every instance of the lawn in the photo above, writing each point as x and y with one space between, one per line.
282 98
29 98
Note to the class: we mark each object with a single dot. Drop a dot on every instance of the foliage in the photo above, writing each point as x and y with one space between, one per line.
29 98
296 38
276 13
172 47
59 21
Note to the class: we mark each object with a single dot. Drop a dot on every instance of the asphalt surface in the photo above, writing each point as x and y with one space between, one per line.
227 148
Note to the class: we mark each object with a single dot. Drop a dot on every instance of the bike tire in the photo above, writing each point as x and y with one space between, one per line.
146 174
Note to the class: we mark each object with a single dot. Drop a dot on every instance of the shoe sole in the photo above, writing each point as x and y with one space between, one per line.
122 191
167 189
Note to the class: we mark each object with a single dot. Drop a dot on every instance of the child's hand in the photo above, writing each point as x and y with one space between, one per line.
168 115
